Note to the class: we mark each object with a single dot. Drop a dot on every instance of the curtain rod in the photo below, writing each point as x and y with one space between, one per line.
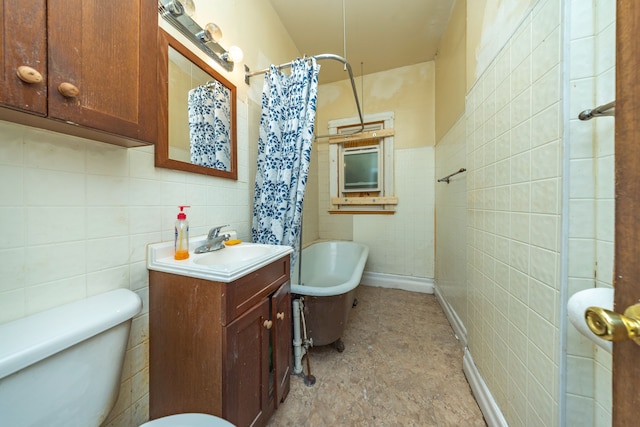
248 74
448 177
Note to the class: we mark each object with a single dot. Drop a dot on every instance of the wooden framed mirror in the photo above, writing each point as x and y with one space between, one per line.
196 113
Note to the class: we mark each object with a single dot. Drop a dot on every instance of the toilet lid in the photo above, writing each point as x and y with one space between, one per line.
188 420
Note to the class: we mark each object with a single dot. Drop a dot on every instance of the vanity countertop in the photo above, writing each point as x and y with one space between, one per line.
224 265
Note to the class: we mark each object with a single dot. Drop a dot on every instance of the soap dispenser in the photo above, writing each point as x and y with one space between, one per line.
182 235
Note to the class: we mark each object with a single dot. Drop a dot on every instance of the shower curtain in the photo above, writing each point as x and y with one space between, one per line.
209 124
284 153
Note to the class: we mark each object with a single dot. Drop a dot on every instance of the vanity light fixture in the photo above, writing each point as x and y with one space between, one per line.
211 33
207 39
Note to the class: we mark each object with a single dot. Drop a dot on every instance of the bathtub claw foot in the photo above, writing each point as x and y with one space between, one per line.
339 345
309 380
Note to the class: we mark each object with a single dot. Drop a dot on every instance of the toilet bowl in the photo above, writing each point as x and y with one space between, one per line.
188 420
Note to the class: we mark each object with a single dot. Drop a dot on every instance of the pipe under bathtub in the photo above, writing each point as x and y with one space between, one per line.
298 350
300 345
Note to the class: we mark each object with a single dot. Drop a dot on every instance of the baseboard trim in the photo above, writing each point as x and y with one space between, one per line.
492 414
456 324
395 281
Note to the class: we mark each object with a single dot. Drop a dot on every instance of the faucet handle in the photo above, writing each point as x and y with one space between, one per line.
215 230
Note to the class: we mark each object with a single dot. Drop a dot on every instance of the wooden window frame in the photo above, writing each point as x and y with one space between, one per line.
378 131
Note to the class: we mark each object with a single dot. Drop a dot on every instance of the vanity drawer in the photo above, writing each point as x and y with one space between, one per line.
247 291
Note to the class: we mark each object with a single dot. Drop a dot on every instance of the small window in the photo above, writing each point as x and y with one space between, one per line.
360 169
361 159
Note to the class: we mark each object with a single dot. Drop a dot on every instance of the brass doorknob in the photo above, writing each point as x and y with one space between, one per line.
612 326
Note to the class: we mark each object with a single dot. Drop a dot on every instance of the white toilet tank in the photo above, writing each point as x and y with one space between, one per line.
62 367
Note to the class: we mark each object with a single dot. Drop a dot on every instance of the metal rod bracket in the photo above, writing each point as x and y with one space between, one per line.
602 110
448 177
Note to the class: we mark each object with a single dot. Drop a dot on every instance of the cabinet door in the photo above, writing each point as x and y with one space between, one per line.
282 341
107 51
23 40
246 368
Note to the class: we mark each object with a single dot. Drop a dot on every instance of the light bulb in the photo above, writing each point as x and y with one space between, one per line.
235 54
189 8
213 32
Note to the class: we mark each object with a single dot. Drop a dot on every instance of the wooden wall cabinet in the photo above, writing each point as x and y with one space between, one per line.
220 348
91 67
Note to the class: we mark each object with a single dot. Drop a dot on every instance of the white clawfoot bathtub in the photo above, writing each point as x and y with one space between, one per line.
330 268
331 271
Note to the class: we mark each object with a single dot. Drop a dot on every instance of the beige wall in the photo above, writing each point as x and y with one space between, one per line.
490 23
78 214
451 220
254 26
451 71
408 91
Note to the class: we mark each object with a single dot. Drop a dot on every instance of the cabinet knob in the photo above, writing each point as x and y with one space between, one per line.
28 74
280 316
68 90
268 324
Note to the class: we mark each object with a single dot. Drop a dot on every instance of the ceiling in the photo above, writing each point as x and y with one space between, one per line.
380 34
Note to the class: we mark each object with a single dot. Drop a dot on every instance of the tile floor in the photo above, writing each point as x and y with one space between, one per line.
402 366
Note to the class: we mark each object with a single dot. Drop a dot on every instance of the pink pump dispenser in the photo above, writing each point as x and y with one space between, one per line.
181 235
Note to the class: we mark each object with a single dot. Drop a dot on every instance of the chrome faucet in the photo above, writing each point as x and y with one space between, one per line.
214 241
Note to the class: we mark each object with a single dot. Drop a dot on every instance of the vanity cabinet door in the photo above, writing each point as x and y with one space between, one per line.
90 63
246 368
23 38
282 342
102 65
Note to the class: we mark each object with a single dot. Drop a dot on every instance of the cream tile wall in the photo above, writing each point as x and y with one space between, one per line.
403 243
605 199
76 218
582 248
591 203
451 220
513 124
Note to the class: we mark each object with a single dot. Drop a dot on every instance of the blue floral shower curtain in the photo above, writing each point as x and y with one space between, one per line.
209 125
284 153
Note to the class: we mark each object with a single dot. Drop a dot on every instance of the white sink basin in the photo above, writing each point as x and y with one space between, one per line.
224 265
578 304
234 254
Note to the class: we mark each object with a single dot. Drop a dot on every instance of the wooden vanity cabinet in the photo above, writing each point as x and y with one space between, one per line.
220 348
92 67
